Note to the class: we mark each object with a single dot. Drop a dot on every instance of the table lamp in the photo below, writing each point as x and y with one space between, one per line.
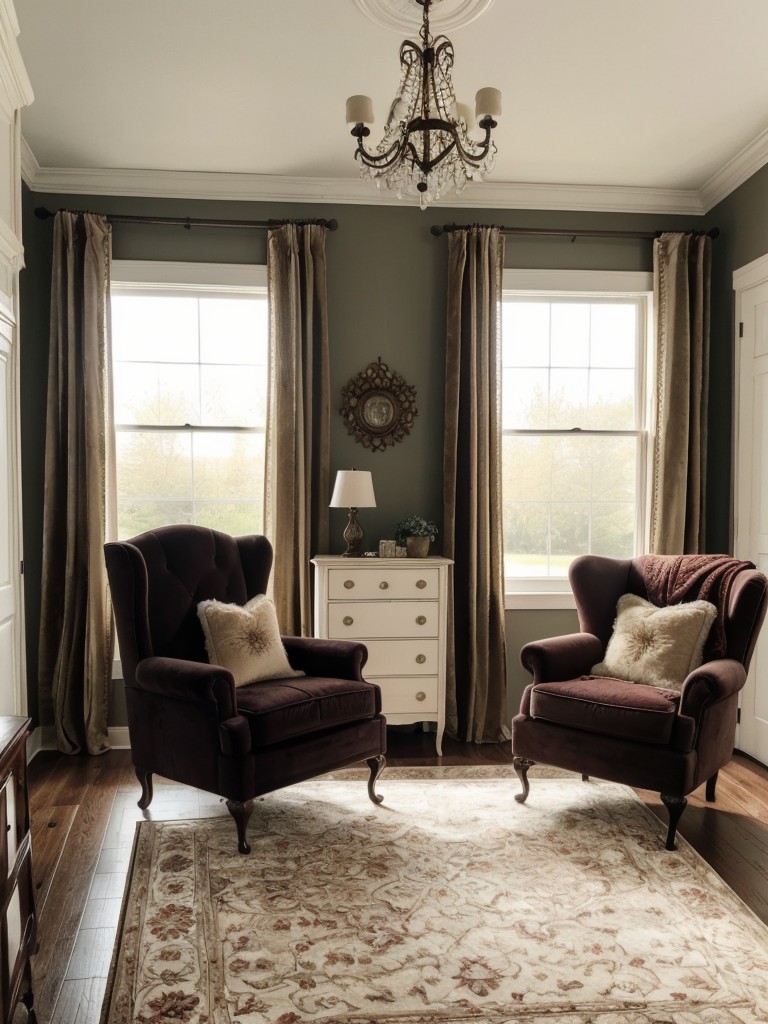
353 490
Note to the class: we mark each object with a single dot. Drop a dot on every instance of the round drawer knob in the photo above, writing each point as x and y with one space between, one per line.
420 620
348 584
421 695
420 584
348 620
420 659
383 585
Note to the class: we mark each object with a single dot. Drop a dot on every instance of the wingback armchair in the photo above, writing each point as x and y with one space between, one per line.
637 733
186 719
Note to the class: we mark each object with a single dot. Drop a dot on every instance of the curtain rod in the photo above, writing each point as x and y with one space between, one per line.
199 222
440 229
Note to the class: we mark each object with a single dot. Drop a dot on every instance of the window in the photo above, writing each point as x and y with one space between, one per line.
189 349
574 422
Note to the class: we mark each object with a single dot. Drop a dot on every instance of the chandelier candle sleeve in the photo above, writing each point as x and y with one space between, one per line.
359 110
426 150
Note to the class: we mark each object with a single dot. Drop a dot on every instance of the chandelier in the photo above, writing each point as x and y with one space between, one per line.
426 149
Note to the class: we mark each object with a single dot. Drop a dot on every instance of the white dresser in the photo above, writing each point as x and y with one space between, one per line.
398 608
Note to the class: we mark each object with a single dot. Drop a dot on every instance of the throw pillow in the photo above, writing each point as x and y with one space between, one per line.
656 646
245 639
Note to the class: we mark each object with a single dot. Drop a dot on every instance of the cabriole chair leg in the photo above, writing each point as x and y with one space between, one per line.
521 766
376 764
145 778
675 805
711 784
241 812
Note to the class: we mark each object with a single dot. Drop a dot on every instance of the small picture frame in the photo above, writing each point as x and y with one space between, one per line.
387 549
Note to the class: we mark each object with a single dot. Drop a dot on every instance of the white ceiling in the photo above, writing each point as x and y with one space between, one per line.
657 104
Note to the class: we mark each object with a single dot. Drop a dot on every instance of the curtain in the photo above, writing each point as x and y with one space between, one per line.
681 274
75 644
476 672
298 417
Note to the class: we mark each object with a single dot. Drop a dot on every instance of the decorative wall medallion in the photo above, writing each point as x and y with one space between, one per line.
405 15
378 406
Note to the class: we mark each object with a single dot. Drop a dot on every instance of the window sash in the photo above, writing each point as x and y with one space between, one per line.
202 281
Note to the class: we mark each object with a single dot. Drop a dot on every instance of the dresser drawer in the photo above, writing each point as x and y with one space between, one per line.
381 581
393 619
409 696
401 658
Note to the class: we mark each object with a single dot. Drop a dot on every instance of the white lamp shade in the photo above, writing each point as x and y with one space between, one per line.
487 103
359 110
353 489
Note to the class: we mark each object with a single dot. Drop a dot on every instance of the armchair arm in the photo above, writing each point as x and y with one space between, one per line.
710 683
211 687
334 659
191 681
561 657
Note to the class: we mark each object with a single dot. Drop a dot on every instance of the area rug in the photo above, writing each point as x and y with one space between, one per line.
448 903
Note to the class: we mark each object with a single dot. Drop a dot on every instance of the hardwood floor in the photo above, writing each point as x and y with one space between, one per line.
83 812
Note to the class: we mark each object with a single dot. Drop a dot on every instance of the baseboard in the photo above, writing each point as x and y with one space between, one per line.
44 738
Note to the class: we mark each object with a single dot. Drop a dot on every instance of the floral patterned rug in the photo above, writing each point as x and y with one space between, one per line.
448 903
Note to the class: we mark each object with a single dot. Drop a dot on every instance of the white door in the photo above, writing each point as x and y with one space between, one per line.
751 480
11 698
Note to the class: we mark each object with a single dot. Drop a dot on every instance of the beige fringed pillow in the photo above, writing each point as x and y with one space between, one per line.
245 639
656 646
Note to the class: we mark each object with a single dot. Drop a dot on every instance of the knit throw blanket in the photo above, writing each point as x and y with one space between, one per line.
670 579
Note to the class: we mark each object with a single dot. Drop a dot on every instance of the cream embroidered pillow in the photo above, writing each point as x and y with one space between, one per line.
245 639
656 646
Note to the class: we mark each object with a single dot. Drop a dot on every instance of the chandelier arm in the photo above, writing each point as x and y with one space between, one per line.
475 157
381 160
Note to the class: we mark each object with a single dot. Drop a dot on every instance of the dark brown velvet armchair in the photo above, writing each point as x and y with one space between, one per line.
186 719
633 733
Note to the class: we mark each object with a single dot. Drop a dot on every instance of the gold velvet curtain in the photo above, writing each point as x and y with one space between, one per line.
298 417
75 645
681 272
472 515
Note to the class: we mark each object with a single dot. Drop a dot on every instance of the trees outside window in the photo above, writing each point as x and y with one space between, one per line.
190 365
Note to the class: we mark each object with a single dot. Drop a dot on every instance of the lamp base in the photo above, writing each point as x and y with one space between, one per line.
353 535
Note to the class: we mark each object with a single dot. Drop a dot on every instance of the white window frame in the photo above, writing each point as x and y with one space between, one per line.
535 592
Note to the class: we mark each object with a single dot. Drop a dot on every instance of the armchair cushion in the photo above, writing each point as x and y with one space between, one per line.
610 707
278 710
656 646
245 639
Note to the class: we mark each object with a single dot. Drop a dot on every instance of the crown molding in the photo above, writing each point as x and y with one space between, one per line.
280 189
15 86
30 168
738 170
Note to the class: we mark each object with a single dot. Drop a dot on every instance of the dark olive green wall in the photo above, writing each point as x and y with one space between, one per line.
387 297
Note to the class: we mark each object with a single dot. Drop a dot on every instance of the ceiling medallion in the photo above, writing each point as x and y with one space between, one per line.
378 407
428 148
401 16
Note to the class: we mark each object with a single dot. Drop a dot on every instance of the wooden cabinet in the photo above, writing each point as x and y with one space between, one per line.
18 927
398 608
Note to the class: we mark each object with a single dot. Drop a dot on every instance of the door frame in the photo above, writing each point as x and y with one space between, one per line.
750 276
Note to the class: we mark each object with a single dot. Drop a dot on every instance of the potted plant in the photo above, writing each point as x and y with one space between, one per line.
415 534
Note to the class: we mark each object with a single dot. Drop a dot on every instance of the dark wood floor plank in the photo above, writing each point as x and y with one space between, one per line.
71 883
50 830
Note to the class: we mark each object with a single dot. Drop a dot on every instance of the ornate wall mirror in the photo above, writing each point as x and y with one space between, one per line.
378 406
